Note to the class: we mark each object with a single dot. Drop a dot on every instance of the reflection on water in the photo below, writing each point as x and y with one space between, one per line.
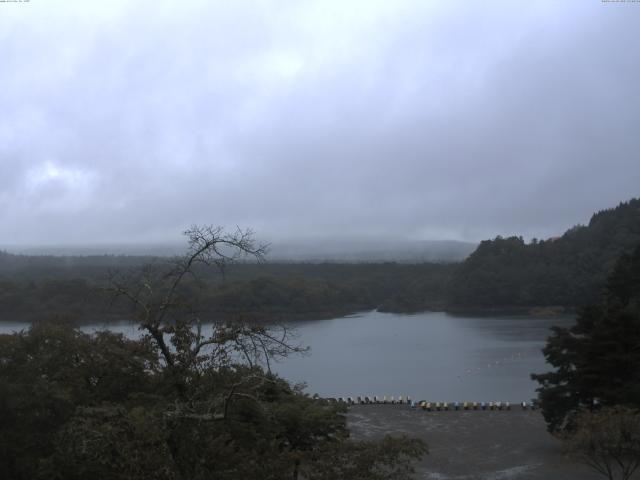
429 355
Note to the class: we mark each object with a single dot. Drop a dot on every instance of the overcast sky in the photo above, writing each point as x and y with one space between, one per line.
127 121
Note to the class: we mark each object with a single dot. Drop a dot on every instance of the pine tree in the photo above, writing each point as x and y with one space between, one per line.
597 360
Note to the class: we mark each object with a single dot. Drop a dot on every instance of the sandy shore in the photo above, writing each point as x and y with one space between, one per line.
470 445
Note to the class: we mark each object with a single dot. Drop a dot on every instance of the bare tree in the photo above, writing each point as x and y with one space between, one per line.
608 440
165 310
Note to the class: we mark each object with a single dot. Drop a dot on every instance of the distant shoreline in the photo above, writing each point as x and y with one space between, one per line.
531 311
275 318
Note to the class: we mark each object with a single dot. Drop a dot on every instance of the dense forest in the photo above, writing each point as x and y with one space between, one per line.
32 287
504 273
568 271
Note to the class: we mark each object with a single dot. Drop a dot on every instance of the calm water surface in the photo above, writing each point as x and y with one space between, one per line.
430 355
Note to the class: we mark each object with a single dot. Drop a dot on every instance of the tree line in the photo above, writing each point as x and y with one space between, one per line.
269 291
568 271
505 273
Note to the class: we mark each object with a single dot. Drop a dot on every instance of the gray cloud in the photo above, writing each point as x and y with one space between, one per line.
127 121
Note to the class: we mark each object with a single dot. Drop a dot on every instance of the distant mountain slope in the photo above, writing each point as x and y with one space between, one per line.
339 250
368 250
570 270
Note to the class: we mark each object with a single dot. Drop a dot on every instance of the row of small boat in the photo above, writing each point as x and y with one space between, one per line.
443 406
433 406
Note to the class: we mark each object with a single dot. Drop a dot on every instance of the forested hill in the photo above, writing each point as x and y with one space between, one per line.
568 271
501 274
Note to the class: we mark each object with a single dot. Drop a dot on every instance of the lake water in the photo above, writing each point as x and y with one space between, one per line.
431 355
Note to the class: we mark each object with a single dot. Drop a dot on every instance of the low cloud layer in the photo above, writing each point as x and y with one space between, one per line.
127 121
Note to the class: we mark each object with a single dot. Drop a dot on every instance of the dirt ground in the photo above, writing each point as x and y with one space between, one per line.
470 445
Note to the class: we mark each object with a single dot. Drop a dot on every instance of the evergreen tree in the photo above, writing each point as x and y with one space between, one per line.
568 271
598 359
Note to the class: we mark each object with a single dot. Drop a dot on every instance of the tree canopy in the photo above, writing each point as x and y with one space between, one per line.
597 360
608 440
569 271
